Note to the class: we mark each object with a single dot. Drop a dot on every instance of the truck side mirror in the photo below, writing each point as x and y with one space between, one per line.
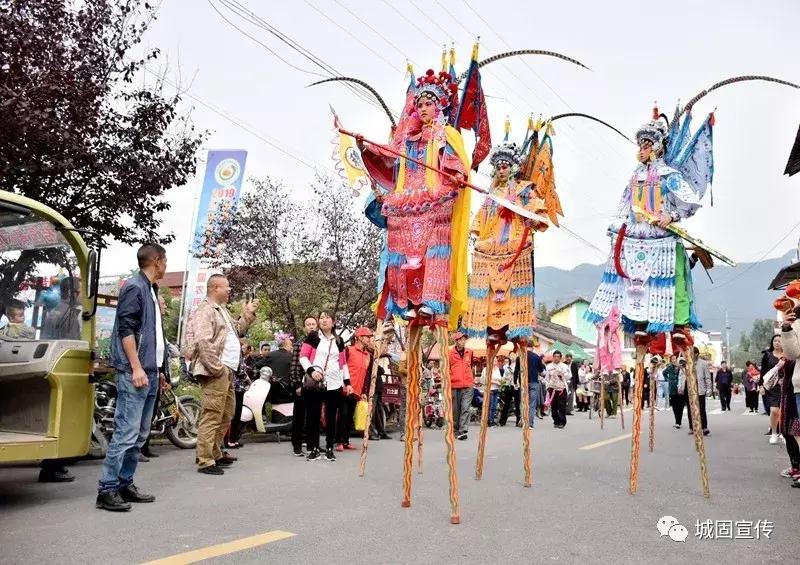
92 281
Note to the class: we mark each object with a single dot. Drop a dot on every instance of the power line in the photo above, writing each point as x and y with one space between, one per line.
413 23
756 262
536 74
603 166
375 31
239 123
509 71
364 45
264 45
254 19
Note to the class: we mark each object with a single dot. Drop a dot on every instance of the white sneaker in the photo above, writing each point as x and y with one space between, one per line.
773 439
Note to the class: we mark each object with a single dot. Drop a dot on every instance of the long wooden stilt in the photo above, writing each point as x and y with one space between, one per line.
419 441
602 402
619 401
652 422
526 428
412 410
380 347
449 431
697 425
641 351
491 352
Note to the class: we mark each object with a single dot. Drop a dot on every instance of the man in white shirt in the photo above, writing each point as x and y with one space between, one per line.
557 375
215 352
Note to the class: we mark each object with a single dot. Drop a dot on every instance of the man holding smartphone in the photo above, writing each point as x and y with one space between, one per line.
216 353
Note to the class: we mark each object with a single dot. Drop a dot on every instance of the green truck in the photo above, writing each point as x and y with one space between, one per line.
48 301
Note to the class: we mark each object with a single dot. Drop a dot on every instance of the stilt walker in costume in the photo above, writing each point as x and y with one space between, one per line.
648 275
501 292
501 285
424 274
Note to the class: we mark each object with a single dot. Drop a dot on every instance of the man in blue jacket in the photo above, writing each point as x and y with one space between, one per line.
138 351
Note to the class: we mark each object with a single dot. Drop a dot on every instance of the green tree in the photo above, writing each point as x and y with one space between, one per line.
752 343
171 316
80 128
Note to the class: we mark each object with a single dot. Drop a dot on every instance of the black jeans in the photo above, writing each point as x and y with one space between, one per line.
626 395
793 450
377 424
677 401
646 396
703 417
509 395
235 431
314 400
347 414
559 408
725 396
298 420
751 399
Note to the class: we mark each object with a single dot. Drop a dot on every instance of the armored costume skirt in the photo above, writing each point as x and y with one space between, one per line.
500 299
656 289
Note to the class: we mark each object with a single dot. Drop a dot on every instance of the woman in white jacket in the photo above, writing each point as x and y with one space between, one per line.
584 393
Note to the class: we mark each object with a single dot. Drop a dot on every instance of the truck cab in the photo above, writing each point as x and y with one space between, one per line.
48 290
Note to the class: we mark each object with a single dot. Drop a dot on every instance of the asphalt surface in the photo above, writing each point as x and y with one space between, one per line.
578 510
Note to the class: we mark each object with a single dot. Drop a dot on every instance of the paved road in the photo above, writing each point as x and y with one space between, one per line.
578 511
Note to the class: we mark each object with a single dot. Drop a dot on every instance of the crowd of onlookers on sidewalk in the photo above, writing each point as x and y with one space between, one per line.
329 383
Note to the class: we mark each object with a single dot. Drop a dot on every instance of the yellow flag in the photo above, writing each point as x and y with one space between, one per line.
347 159
543 179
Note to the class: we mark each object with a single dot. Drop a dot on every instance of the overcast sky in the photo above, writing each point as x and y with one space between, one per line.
637 54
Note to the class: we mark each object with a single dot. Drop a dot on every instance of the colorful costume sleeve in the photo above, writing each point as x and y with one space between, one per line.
679 196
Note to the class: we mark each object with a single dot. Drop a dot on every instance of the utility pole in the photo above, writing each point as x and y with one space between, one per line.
727 339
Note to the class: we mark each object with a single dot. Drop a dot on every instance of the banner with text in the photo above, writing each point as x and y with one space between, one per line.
222 186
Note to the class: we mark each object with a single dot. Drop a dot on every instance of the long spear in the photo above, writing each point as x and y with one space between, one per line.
517 209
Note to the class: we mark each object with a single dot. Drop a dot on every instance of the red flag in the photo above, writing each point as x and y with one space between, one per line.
472 114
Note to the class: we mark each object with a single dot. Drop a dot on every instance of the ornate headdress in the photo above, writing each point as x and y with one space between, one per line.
508 152
438 87
655 132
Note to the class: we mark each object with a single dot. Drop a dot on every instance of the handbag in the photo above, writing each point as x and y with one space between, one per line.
771 378
360 415
312 385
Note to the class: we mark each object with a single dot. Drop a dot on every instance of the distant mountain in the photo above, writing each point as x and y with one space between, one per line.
741 290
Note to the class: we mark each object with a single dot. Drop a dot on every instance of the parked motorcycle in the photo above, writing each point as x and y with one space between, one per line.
272 417
177 417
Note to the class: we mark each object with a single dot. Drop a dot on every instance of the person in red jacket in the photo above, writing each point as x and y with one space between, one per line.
359 365
461 383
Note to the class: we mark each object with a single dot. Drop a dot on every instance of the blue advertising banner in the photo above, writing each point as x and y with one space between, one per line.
222 186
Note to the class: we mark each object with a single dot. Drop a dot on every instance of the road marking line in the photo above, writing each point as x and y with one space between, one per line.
604 442
223 548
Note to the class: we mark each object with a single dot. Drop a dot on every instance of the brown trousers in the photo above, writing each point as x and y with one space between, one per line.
218 405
